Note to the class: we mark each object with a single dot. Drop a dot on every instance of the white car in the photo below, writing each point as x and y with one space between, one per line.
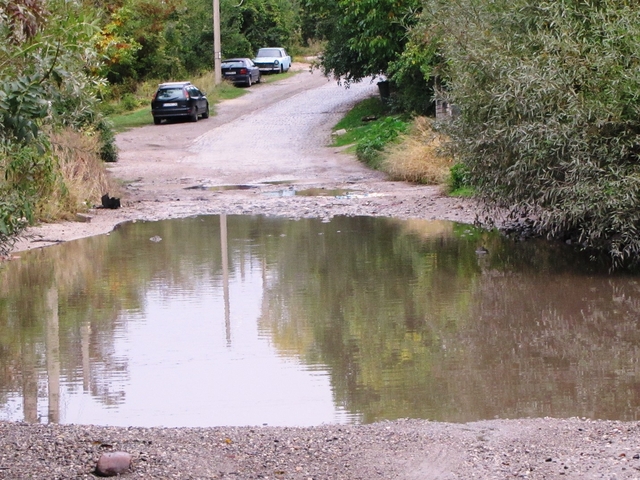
273 59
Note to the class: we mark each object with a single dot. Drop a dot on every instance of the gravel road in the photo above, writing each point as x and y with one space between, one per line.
272 142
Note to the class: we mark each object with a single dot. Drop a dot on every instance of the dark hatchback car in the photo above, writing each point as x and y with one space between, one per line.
178 100
240 71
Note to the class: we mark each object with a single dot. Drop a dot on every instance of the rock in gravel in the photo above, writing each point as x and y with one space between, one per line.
113 463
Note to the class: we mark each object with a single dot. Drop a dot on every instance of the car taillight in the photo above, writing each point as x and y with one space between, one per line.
186 94
243 71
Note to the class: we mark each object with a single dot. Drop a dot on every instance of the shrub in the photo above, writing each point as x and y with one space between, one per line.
383 132
459 177
418 155
549 122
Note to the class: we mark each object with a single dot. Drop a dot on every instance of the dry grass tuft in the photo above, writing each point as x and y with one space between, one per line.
418 156
83 176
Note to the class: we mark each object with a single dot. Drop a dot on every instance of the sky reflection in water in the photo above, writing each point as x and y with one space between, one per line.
304 322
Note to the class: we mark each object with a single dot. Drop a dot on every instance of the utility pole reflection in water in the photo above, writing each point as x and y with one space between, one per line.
85 335
53 354
29 382
225 275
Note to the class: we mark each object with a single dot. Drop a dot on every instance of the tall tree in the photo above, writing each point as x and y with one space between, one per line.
363 36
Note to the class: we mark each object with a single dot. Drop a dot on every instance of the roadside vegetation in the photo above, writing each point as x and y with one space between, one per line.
546 95
407 148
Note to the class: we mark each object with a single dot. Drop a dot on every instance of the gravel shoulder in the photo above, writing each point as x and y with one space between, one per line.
403 449
249 159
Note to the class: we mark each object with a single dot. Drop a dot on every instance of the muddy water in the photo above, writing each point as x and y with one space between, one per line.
253 320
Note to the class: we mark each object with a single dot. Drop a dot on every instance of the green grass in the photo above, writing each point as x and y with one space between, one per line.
136 118
274 77
465 192
353 124
224 91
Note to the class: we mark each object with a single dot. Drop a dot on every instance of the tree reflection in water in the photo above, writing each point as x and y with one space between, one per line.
404 317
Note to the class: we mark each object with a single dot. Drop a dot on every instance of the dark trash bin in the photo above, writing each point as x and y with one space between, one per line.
384 89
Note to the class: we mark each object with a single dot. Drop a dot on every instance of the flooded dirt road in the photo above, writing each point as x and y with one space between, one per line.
170 171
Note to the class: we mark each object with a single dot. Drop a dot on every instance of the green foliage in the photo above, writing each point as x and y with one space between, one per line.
371 107
549 124
22 104
108 150
412 73
15 213
47 60
29 175
363 37
381 133
173 39
460 180
269 23
460 176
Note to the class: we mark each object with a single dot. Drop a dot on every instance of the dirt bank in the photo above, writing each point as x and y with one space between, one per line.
251 158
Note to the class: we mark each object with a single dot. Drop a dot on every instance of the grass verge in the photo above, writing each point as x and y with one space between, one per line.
419 155
358 121
274 77
367 129
407 149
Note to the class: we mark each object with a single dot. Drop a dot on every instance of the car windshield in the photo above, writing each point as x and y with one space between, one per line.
170 94
268 52
232 64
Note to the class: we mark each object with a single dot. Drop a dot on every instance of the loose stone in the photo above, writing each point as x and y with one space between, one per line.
113 463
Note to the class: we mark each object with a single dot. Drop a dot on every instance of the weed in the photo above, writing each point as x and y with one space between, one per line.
381 133
418 156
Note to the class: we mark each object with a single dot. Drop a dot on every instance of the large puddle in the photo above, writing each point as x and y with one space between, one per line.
252 320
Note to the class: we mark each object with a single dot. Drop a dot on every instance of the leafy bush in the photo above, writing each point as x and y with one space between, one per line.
29 175
549 122
459 177
108 149
381 133
47 82
15 214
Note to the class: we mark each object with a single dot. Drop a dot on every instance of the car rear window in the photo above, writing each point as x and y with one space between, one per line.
170 94
268 52
232 64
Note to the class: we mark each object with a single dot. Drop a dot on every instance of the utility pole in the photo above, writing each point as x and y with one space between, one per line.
217 50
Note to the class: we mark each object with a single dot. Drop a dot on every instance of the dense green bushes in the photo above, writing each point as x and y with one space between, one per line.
549 122
47 57
381 133
371 38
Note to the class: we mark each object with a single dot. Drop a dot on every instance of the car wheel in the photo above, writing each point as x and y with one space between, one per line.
281 69
194 117
259 78
206 112
156 120
249 81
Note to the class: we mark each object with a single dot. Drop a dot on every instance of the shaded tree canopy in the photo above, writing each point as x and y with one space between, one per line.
362 37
